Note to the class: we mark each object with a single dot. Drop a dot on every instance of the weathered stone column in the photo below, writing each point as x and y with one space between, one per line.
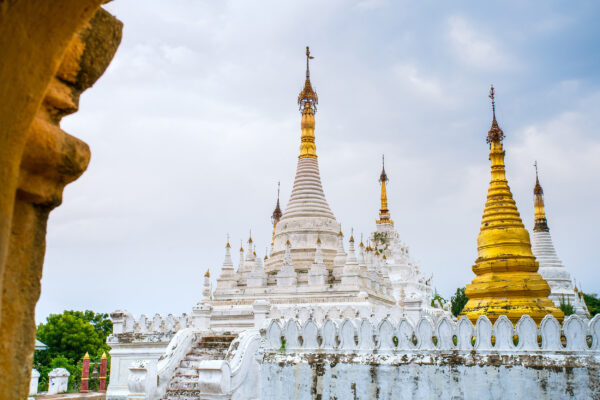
51 52
261 310
33 383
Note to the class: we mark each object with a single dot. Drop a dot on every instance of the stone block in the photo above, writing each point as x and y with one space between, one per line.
58 381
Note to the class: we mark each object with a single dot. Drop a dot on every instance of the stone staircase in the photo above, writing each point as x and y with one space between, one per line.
184 384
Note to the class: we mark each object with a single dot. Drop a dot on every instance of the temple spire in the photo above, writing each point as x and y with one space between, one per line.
308 100
506 281
276 214
541 224
384 212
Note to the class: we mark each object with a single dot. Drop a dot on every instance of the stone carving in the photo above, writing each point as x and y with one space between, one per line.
575 331
484 333
503 332
385 335
51 53
292 333
124 322
425 333
464 333
310 332
58 381
274 335
329 334
444 332
550 332
347 334
527 332
405 334
595 332
365 335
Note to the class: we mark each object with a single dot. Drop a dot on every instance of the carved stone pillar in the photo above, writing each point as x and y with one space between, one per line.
51 52
201 316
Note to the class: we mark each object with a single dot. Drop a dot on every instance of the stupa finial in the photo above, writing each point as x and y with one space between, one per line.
384 212
308 95
540 221
495 134
308 100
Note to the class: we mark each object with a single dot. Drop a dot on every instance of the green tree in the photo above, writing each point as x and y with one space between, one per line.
69 336
566 308
458 301
73 333
592 302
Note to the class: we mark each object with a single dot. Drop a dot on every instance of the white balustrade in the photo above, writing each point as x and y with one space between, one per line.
350 335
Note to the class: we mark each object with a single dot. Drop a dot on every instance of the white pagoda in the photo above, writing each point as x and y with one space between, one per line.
562 289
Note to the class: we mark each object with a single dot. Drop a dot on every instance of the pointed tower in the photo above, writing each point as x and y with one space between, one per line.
507 281
228 277
307 214
317 274
276 215
384 223
551 267
287 276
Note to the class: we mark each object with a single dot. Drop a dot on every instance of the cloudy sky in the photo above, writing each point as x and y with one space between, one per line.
196 120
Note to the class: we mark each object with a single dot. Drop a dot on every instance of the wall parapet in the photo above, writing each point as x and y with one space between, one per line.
159 328
355 335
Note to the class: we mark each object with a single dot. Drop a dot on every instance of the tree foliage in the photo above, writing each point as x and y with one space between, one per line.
458 301
566 307
73 333
592 302
69 336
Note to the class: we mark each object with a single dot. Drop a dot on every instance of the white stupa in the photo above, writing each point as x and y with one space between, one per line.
552 269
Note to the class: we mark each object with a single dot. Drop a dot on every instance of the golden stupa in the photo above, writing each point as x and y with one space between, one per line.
507 281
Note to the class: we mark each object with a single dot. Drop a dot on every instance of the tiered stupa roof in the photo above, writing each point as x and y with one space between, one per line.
507 281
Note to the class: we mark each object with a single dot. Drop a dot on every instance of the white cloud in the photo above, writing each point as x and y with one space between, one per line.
195 122
472 48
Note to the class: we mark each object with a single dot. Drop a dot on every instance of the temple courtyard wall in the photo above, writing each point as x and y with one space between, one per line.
432 375
382 358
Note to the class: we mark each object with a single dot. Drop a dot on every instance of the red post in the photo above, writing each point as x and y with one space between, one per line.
102 388
85 373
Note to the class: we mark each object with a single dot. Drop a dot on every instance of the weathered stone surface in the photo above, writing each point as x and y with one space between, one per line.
51 52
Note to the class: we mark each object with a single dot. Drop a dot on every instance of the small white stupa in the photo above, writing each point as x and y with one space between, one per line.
562 289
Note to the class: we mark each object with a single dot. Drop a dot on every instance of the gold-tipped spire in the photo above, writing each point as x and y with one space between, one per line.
103 355
541 224
308 100
384 212
277 214
86 356
228 245
506 281
207 274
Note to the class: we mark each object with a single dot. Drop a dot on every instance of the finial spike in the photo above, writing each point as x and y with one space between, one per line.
492 93
308 95
495 134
